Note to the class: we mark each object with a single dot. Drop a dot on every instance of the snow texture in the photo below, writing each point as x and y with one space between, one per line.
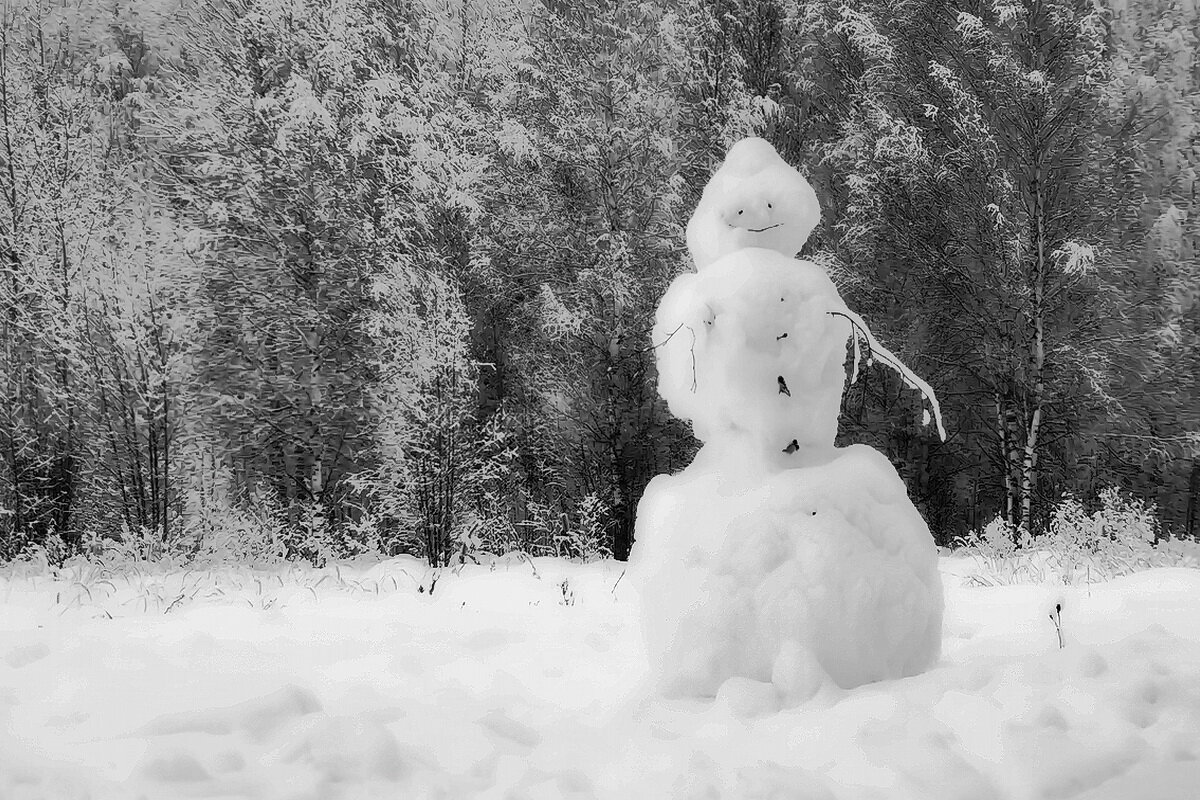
355 682
789 577
775 564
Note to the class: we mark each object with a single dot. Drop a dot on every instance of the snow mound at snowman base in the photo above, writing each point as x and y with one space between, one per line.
797 578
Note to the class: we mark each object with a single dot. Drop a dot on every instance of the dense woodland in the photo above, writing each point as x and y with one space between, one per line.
298 279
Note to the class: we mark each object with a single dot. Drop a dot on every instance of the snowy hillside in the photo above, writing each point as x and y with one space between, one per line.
524 680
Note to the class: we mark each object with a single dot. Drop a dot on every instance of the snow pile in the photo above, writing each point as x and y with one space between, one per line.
521 679
291 682
786 577
775 560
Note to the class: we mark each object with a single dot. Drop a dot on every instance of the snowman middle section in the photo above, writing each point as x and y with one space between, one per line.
752 347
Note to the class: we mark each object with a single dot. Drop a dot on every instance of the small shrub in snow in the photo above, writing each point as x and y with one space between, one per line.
259 532
581 533
50 553
586 536
483 533
1120 537
255 533
316 539
1116 539
997 540
998 550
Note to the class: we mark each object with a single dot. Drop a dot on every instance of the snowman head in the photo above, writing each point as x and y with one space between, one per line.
754 200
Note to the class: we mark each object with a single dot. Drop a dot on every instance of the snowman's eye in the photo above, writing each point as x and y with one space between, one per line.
768 205
739 212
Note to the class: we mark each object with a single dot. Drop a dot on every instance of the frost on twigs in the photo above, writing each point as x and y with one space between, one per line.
877 352
730 337
1119 536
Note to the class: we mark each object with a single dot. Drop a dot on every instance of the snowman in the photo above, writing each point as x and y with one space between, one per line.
775 565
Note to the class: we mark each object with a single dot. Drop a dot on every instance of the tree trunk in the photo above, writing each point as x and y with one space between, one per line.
1009 458
1038 356
1193 501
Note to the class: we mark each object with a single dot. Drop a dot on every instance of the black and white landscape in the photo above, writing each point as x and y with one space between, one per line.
537 399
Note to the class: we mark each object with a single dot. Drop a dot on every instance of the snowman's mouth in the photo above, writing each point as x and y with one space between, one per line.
763 230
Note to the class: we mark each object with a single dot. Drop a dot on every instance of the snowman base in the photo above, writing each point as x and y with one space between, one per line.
752 572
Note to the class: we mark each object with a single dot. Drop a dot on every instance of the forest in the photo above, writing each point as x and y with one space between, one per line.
308 278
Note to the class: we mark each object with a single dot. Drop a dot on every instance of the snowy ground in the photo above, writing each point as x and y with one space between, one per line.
522 681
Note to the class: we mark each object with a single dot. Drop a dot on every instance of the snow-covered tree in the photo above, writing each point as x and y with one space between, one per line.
1149 439
310 157
972 194
607 119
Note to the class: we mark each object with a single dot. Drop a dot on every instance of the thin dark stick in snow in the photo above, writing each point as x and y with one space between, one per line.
613 590
529 561
857 358
670 336
174 603
693 352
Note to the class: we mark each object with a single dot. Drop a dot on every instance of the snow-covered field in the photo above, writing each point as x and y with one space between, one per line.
525 680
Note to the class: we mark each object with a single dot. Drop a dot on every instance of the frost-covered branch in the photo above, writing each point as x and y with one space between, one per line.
877 351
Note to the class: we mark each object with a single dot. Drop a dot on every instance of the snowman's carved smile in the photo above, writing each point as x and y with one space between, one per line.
758 230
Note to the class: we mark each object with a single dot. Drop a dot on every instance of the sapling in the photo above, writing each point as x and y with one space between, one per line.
433 579
1056 618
